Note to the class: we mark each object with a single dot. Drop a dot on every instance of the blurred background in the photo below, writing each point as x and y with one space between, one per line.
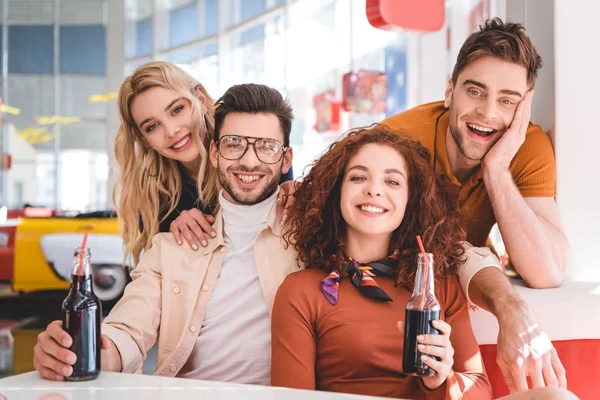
62 62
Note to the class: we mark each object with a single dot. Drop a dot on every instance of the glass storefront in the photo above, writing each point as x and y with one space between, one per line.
60 128
303 48
54 131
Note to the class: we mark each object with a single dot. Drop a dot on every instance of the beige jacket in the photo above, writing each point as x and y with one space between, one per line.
168 297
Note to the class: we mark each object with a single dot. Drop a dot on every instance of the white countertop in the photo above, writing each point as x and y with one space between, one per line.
569 312
116 386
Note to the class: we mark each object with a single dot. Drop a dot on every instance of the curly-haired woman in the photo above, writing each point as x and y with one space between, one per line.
365 200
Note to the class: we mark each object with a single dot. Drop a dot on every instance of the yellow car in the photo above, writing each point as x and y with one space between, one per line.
43 253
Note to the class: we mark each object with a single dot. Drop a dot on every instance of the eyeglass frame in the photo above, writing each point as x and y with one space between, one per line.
284 149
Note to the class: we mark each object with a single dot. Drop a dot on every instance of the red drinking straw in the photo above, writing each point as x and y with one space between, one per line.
81 254
425 273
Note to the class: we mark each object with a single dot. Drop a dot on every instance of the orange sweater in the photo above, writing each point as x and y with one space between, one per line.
355 346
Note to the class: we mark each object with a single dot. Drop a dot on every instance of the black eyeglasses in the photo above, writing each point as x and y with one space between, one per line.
233 147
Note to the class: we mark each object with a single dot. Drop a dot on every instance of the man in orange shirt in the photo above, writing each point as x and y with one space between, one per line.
481 138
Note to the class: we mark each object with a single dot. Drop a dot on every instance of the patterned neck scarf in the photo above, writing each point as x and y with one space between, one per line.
362 277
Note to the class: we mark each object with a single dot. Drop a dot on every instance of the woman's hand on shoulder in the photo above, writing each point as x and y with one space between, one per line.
286 197
193 226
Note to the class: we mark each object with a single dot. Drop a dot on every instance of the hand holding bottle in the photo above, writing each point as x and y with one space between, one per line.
73 349
432 346
53 359
437 346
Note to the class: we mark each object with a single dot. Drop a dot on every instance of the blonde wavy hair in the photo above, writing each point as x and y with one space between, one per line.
145 177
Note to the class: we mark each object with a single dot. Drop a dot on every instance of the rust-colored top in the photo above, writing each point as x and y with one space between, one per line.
356 347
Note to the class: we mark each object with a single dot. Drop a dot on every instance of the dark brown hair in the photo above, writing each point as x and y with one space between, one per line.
318 231
254 98
504 40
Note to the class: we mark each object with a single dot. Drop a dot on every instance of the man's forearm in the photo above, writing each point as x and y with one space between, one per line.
521 340
491 290
539 251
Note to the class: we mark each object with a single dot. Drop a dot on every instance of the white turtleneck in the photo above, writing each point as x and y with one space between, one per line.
234 344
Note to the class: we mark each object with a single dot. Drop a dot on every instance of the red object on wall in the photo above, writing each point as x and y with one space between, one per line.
327 109
414 15
364 92
579 357
5 162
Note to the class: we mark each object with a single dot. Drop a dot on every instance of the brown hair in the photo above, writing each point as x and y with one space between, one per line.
504 40
317 229
254 98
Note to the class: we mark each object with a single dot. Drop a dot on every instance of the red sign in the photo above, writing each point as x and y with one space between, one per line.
413 15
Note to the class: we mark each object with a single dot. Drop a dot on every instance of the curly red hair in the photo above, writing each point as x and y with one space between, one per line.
317 229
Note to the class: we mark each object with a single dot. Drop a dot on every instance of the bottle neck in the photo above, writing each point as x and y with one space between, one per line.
81 269
81 279
423 296
424 282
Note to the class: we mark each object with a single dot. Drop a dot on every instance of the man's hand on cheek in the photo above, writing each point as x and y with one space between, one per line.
499 157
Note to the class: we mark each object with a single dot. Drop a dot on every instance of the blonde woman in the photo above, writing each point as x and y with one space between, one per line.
166 182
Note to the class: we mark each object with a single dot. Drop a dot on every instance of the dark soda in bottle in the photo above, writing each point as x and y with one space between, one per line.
81 318
422 308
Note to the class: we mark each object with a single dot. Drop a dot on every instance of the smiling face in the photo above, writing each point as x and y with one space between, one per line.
483 103
248 180
374 191
164 119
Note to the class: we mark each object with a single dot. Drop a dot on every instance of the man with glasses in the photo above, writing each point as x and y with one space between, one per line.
209 310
